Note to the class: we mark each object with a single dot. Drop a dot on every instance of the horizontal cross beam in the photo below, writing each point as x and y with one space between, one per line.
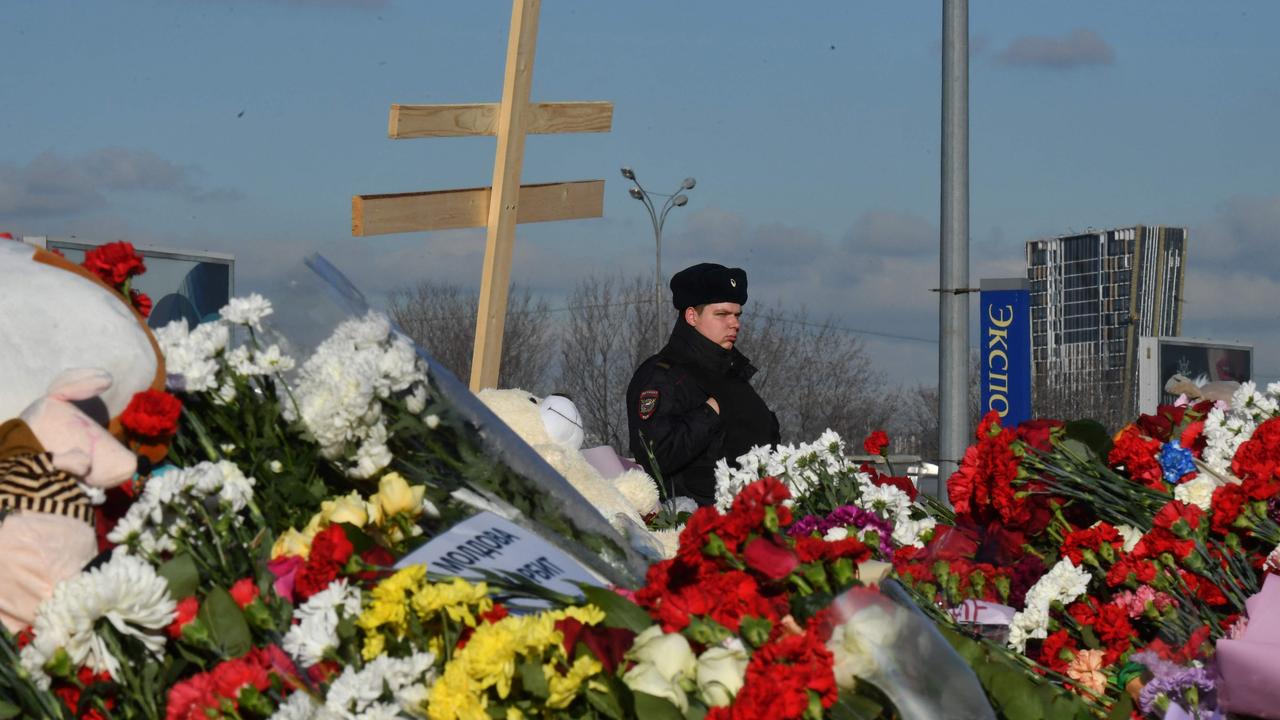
451 209
417 121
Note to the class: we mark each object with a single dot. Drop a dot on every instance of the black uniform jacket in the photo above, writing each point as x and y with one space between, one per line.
668 414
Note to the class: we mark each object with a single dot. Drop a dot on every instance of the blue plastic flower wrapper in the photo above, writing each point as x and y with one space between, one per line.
881 638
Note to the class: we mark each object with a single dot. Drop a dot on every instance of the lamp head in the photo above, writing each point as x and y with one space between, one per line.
628 173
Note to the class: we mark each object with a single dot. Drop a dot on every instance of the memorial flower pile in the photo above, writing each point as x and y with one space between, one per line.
1123 560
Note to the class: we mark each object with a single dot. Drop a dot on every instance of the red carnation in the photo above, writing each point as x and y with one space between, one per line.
114 262
244 592
152 414
1228 501
770 559
187 609
189 698
141 302
1054 647
1139 456
313 578
330 546
876 442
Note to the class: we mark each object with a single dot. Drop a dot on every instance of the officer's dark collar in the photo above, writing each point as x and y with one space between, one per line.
689 345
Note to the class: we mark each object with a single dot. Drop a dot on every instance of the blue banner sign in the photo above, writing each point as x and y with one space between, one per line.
1005 350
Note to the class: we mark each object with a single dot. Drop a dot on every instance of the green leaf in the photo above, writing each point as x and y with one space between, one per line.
650 707
182 575
606 703
1092 434
1089 638
619 611
534 679
8 710
226 623
855 707
1123 708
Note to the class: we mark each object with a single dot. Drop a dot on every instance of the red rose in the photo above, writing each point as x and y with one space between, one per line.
1038 433
114 262
187 609
152 414
876 442
244 592
141 302
770 559
608 645
902 483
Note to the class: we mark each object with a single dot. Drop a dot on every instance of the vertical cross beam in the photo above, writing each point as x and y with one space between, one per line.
504 201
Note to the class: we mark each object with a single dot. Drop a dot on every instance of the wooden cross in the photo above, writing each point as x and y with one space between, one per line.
504 204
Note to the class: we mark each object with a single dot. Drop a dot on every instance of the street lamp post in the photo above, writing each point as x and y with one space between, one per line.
658 217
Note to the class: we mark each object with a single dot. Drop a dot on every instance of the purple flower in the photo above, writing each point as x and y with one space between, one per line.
1173 686
846 516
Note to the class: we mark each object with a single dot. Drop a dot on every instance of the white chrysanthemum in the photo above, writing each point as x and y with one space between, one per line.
126 592
188 357
910 532
298 706
373 454
640 491
166 510
355 692
241 362
316 631
1063 584
248 311
273 361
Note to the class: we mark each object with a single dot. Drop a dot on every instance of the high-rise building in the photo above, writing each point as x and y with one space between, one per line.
1092 296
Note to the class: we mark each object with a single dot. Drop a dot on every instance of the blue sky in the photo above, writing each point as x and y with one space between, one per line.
245 126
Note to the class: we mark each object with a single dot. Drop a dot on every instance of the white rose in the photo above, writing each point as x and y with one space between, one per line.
859 643
669 653
720 674
646 678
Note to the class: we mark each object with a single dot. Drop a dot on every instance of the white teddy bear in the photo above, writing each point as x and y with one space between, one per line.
553 428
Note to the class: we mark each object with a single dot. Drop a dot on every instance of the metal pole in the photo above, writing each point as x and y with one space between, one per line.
953 333
659 341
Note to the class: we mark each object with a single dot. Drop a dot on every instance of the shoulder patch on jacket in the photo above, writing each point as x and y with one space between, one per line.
648 404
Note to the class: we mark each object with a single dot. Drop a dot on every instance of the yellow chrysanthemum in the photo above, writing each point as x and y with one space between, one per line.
388 602
453 696
564 688
375 644
455 598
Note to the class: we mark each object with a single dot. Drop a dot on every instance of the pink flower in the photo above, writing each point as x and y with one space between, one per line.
286 571
1086 669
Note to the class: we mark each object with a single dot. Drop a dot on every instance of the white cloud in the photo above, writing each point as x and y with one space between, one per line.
1079 48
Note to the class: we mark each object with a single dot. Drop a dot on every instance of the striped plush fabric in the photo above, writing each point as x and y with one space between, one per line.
31 482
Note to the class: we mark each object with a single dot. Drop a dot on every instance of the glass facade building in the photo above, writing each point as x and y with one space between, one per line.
1092 296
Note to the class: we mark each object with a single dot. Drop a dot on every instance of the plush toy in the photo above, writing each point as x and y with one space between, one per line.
553 428
55 315
47 458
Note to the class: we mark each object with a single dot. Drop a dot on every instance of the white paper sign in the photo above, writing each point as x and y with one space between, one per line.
487 541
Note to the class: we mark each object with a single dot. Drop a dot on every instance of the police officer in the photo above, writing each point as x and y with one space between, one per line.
692 404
